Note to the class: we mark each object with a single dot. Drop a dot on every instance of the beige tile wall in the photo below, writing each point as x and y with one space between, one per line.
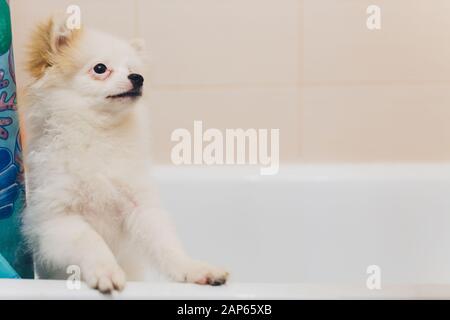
337 91
376 95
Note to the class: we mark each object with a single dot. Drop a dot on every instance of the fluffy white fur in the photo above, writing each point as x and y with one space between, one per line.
90 198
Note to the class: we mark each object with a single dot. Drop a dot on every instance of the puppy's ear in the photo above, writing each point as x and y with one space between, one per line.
51 39
138 44
61 35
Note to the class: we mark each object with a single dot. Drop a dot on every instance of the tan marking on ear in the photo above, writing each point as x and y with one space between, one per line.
43 53
65 58
40 49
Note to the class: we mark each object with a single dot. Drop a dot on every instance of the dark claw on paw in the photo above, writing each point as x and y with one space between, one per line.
218 282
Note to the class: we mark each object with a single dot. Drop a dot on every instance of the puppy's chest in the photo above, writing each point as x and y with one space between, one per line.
106 179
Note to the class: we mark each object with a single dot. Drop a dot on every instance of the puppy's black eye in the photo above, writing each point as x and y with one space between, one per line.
100 68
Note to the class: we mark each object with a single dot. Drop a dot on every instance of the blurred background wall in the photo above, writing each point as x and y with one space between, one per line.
338 91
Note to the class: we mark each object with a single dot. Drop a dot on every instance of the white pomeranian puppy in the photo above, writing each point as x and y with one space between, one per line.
89 192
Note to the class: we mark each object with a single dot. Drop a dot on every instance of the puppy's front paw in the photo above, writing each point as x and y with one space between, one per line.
203 274
106 278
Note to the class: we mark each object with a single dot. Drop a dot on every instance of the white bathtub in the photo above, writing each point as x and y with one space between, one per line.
308 232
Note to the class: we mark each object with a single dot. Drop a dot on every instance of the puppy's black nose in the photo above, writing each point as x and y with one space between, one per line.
137 80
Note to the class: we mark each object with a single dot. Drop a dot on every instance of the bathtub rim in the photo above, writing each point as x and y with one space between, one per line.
57 290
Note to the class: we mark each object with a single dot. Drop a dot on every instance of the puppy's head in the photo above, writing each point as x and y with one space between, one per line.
97 70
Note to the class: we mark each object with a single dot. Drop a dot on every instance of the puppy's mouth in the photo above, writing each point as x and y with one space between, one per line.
133 93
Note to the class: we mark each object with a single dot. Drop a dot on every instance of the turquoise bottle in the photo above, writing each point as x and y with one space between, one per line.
15 259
